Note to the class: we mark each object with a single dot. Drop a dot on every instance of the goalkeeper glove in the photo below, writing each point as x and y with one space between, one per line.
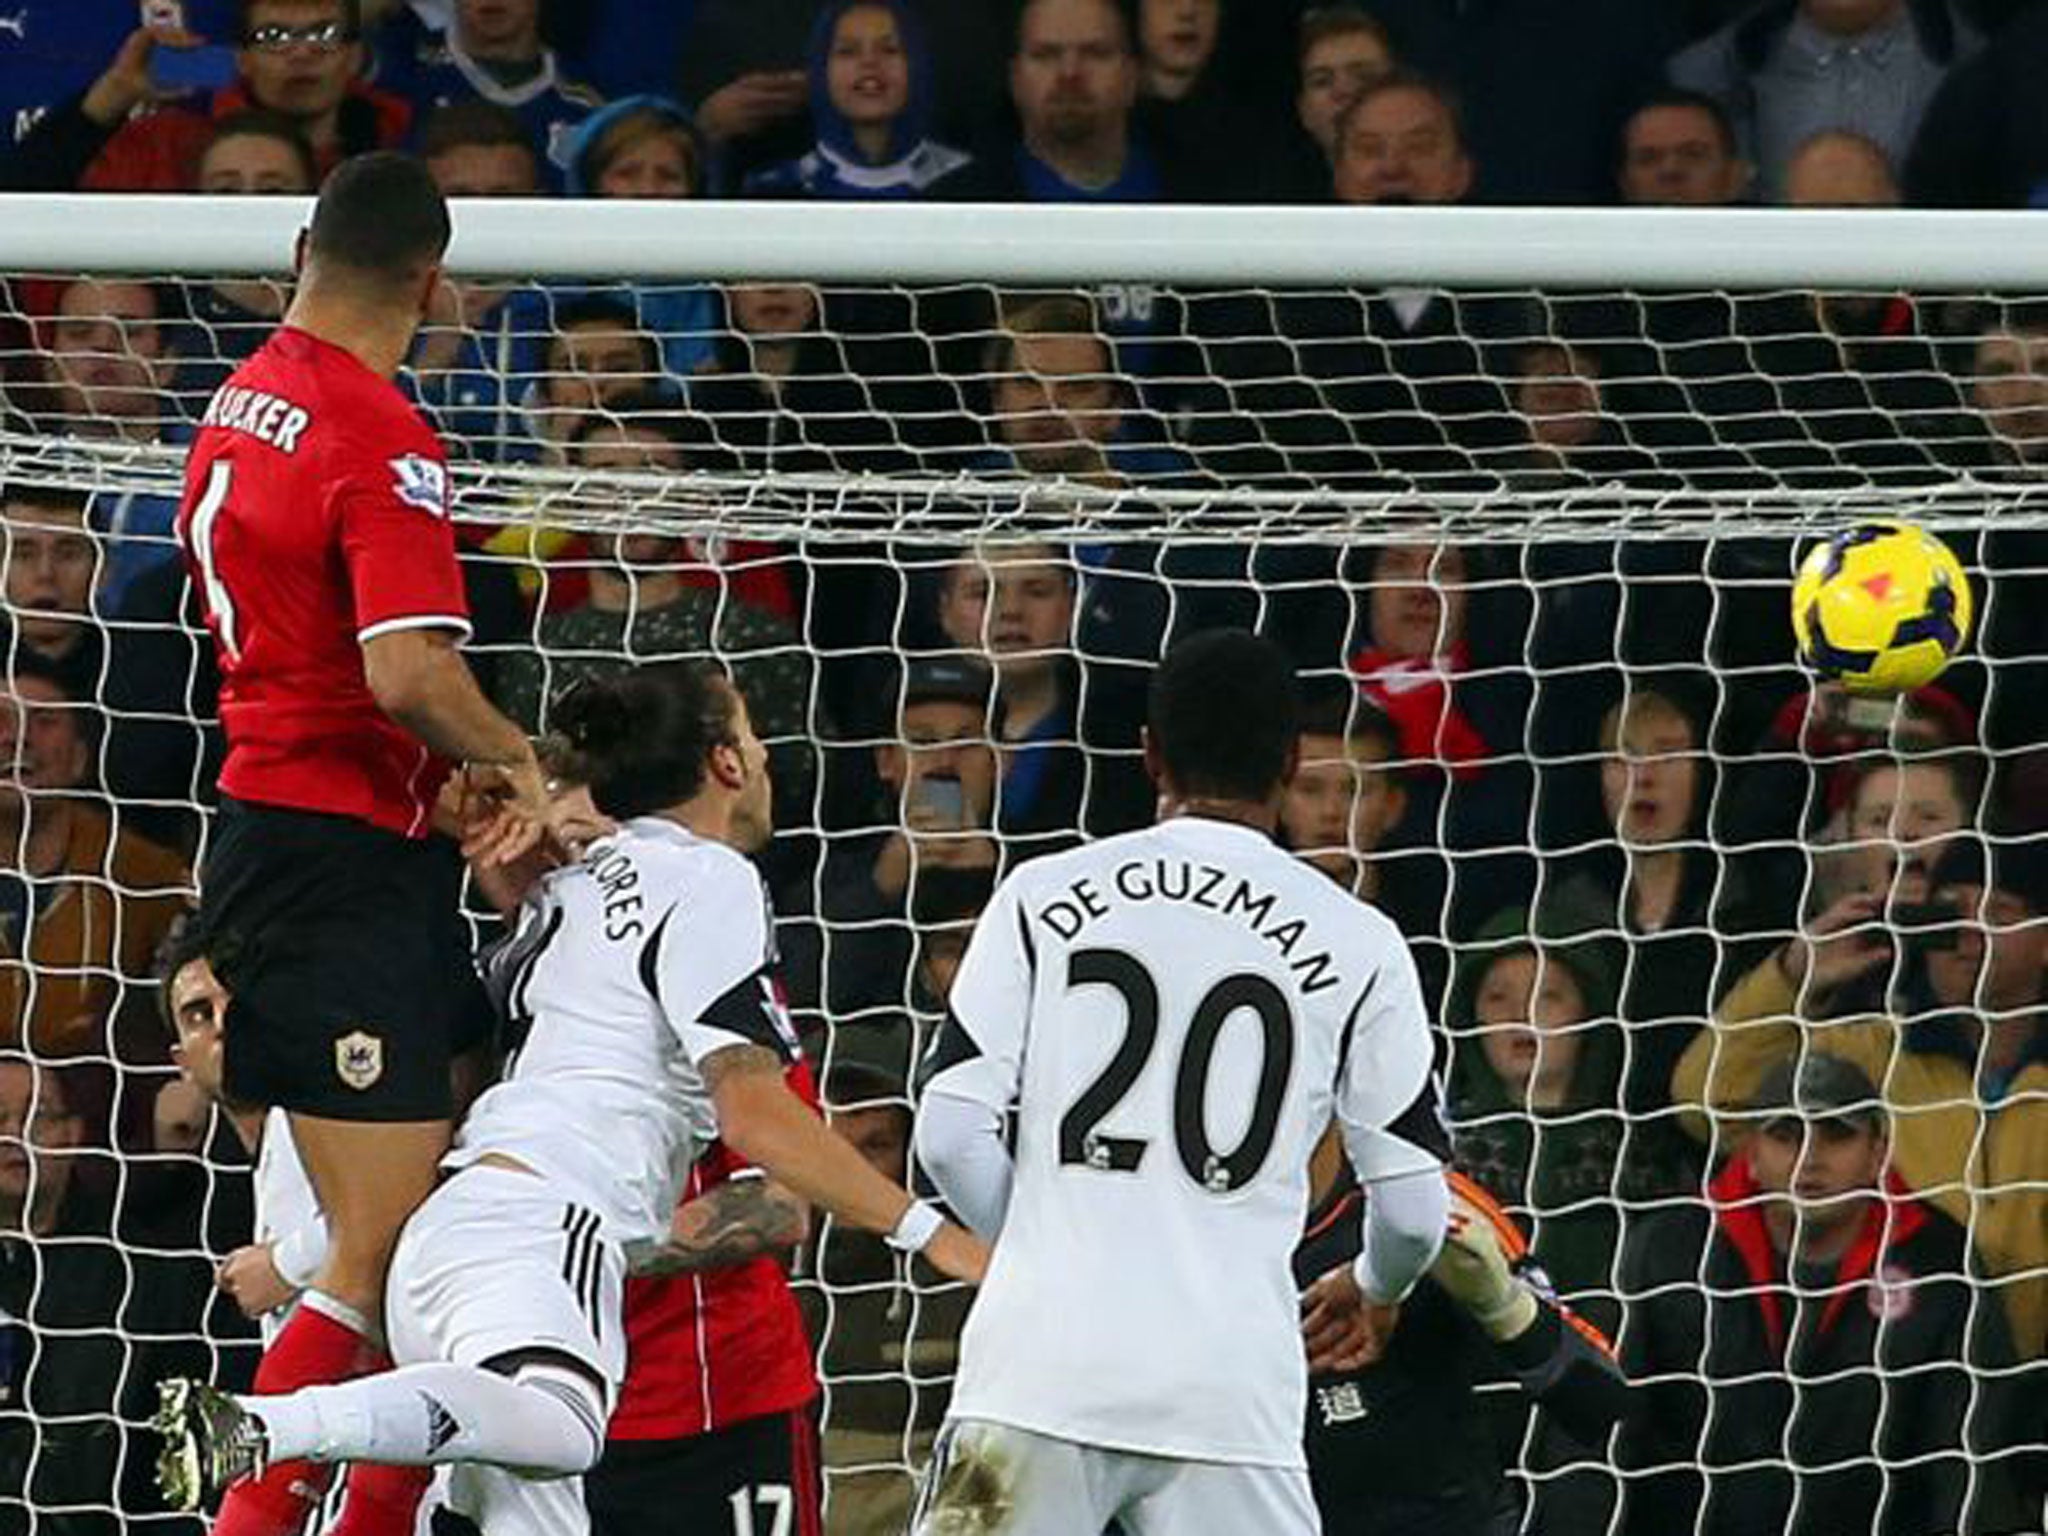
1475 1267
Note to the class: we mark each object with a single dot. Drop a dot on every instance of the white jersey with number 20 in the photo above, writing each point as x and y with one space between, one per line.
1176 1013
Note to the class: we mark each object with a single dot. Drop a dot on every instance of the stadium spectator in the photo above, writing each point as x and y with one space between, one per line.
1535 1083
493 51
468 356
1570 433
786 390
1343 807
1678 149
1836 168
1074 81
1532 139
1792 68
301 58
646 147
1983 142
889 1336
1900 816
1955 1032
52 580
83 904
1422 659
937 768
1343 50
871 103
109 368
1658 884
1059 405
1013 606
1365 387
2008 387
597 354
652 597
255 153
93 1323
1407 1443
1813 1357
1400 141
742 65
110 358
1206 129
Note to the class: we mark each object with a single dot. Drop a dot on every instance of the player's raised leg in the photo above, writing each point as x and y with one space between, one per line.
315 524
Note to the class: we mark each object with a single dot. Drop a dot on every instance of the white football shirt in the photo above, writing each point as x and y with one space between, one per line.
622 973
1176 1013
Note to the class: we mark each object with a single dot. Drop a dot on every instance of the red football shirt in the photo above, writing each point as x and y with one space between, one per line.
708 1350
315 517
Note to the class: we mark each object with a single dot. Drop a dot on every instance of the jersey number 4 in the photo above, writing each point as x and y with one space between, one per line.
1084 1145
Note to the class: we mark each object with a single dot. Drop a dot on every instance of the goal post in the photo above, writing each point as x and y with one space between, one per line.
1521 490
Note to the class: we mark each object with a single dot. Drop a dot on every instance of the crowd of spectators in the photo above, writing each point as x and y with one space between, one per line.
1744 983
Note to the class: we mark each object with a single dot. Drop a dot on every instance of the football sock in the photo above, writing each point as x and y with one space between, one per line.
547 1420
381 1501
324 1341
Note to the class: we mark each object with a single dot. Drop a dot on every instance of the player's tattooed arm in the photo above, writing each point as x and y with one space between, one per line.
726 1225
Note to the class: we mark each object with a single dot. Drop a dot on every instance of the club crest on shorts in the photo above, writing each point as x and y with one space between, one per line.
359 1059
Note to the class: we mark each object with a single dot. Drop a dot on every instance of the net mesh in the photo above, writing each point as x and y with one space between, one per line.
1530 553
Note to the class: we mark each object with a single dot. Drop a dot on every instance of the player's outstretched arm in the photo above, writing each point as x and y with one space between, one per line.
420 680
747 1217
1561 1360
762 1121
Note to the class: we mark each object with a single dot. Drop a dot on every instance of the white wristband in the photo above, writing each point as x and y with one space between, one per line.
920 1224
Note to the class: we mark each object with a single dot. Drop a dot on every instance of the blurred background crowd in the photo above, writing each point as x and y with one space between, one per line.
1709 944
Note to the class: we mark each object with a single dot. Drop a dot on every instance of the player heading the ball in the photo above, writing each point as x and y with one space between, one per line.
315 523
641 1000
1177 1014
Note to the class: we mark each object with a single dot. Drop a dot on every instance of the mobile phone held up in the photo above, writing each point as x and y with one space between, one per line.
944 800
184 71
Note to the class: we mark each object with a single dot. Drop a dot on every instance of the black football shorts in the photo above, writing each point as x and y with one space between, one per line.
346 956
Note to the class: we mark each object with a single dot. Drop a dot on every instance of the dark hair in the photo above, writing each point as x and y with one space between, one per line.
1320 23
184 941
473 123
262 123
1342 711
1126 14
642 735
1964 769
603 309
1223 714
380 215
46 496
1677 98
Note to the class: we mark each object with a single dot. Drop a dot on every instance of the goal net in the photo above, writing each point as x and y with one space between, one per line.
1520 491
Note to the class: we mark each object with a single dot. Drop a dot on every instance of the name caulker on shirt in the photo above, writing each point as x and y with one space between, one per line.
1198 885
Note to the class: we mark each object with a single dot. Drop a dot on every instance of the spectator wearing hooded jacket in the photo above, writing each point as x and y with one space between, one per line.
871 102
1533 1092
1814 1359
640 147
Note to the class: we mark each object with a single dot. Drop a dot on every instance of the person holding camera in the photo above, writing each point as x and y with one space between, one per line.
1952 1030
937 767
